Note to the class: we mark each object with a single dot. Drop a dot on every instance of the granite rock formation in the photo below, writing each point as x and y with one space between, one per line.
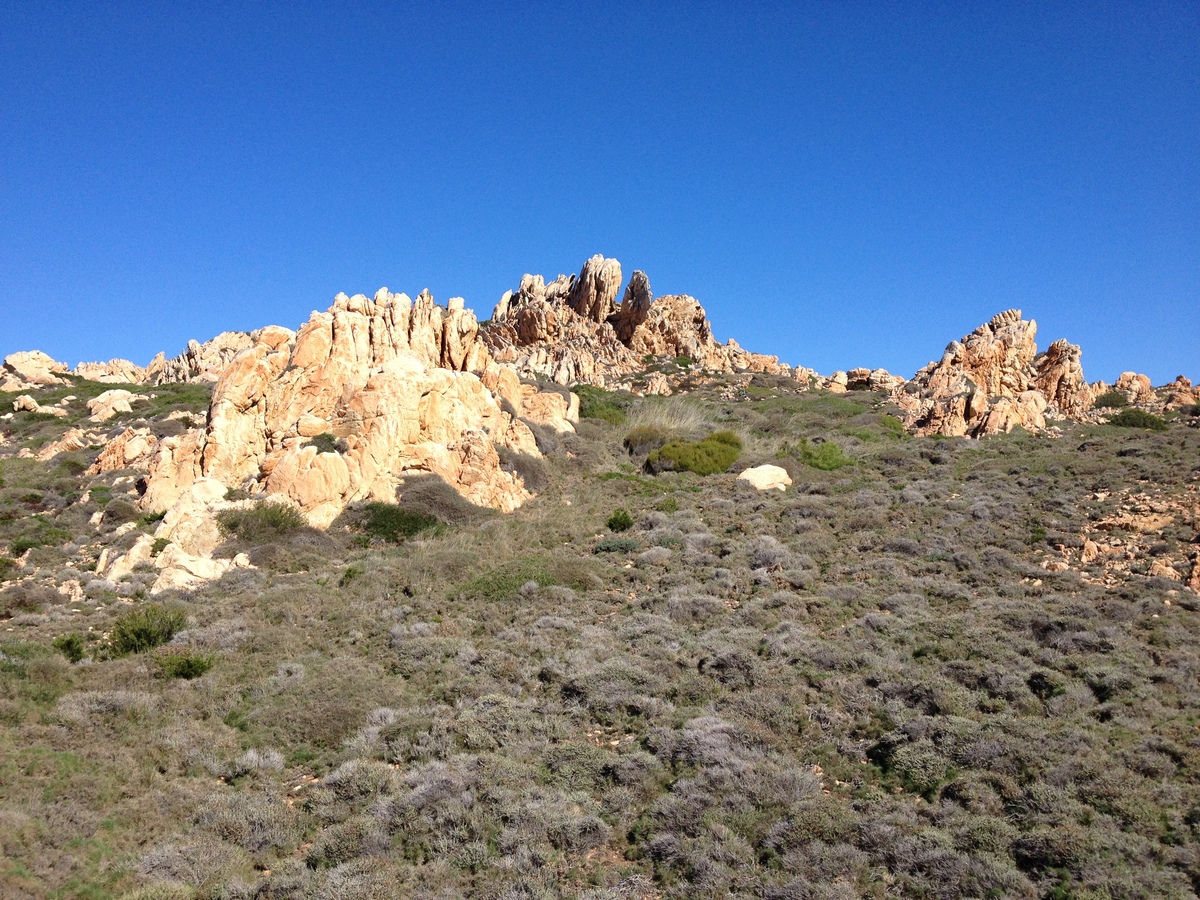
571 330
993 380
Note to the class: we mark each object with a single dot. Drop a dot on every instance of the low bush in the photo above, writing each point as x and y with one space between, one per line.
620 520
390 522
326 443
826 456
1110 400
70 645
504 582
144 629
183 665
1137 418
6 566
714 454
597 403
261 522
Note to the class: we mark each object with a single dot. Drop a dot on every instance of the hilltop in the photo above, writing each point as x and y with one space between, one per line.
579 601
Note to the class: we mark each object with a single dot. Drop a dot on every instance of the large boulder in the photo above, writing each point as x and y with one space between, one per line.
115 371
29 369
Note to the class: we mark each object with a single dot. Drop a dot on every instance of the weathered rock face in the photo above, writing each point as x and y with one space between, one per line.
115 371
570 330
108 404
199 362
594 291
1058 375
993 380
388 377
29 369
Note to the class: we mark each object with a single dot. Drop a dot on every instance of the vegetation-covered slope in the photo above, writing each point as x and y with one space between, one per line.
897 678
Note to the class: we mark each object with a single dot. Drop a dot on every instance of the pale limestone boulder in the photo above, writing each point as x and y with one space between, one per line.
108 404
141 552
1136 387
550 409
766 477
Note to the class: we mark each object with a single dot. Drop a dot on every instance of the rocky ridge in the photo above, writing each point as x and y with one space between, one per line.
571 330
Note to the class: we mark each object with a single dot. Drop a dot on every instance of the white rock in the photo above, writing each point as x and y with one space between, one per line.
766 478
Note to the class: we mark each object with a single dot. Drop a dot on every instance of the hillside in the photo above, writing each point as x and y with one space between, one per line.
932 666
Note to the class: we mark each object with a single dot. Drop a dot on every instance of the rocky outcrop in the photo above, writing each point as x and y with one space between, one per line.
391 378
993 380
200 361
570 331
30 369
115 371
132 447
110 403
26 403
1058 375
595 290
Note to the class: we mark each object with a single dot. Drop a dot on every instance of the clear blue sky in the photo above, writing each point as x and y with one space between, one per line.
838 183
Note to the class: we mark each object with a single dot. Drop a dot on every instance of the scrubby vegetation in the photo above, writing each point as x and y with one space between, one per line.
715 453
1138 418
896 679
1110 400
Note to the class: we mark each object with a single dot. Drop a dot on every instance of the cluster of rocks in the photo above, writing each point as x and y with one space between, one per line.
994 380
572 330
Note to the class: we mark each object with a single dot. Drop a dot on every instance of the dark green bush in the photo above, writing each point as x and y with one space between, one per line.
714 454
597 403
390 522
620 520
70 645
184 665
1110 400
145 628
261 522
326 443
684 362
6 566
503 582
1137 418
826 456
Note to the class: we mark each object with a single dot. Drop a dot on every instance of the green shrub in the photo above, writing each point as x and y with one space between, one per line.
826 456
261 522
326 443
620 520
714 454
184 665
1110 400
6 566
617 545
145 628
390 522
597 403
70 645
159 545
684 362
503 582
1137 418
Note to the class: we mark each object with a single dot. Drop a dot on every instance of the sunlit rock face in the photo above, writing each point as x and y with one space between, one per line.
571 330
391 379
993 380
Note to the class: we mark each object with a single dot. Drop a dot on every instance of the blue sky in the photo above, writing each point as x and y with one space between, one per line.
840 184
